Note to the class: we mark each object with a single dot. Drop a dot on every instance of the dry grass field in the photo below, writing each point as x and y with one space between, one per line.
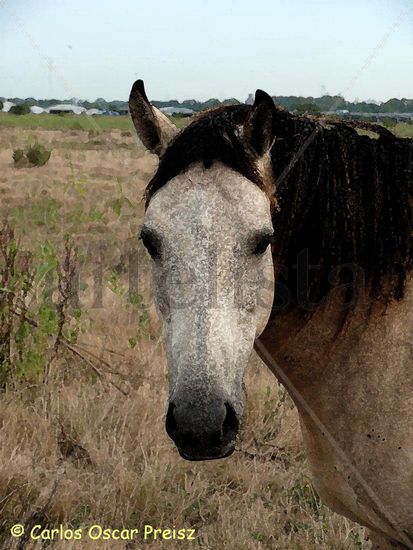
88 446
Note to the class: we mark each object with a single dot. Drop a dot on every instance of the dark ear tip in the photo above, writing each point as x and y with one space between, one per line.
263 97
139 88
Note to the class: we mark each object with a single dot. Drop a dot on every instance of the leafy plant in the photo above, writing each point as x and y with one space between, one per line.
303 494
18 155
133 300
120 202
33 325
38 155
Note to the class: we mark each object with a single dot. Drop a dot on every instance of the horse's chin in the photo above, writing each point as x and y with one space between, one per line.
207 455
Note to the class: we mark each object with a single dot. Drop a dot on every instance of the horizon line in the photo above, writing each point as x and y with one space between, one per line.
355 100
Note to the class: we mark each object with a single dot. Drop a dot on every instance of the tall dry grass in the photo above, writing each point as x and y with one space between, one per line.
77 451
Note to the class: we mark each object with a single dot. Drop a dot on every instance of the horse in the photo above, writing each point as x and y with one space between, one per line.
291 235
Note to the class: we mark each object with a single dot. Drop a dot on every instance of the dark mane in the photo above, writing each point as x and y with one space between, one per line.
345 199
347 204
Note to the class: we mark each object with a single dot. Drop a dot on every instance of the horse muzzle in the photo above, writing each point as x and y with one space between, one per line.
203 429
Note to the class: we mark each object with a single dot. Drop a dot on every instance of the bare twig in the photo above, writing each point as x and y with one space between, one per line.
8 250
65 274
4 500
93 367
113 351
264 457
39 515
79 354
108 366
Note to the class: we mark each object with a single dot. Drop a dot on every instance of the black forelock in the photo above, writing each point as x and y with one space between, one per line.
211 136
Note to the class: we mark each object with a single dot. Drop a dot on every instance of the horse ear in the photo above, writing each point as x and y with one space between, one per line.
153 127
258 127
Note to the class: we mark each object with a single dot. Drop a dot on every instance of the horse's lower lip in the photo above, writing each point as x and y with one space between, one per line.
205 456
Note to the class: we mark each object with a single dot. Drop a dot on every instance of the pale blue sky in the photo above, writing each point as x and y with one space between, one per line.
206 48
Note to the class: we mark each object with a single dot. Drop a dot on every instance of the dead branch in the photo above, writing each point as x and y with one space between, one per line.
78 353
39 515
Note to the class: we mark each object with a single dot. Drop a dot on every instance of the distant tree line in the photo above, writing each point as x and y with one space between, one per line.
334 103
292 103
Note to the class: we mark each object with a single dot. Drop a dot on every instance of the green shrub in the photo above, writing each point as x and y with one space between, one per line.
38 155
22 109
18 155
34 322
307 109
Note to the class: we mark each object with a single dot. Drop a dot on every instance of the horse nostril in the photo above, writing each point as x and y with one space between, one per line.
171 425
215 438
231 422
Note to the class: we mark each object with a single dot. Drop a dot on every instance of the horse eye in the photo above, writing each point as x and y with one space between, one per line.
151 243
261 244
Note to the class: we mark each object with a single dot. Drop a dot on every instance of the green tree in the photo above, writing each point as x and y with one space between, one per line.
307 109
21 109
393 105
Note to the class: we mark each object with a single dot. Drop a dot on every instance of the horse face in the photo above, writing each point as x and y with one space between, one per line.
208 232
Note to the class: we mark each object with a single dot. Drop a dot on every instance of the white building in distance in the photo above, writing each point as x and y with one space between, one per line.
64 108
7 105
170 111
36 110
92 112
